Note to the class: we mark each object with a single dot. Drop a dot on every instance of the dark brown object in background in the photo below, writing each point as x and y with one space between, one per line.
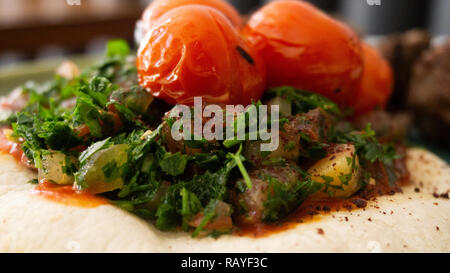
429 94
402 51
388 126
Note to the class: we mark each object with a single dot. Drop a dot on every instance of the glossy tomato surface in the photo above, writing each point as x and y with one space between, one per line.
159 7
375 87
305 48
195 51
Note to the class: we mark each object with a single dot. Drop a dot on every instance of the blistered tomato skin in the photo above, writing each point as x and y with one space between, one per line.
375 87
305 48
159 7
195 51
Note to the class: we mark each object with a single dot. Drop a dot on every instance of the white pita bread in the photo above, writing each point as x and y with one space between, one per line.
408 222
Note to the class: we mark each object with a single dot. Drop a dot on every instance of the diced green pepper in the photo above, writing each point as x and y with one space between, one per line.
58 168
102 172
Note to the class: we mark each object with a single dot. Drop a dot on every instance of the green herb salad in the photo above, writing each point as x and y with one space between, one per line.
102 133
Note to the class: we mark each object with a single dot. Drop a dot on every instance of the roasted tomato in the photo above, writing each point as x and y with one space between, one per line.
375 87
159 7
195 51
305 48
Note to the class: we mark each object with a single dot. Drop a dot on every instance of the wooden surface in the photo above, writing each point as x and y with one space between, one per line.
27 27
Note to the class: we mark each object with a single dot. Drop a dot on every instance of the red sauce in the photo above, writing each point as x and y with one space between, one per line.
309 211
67 195
13 148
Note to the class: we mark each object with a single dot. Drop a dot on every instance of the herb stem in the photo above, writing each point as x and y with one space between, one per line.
240 164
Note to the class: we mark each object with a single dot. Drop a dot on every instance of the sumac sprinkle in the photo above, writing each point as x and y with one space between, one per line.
360 203
245 55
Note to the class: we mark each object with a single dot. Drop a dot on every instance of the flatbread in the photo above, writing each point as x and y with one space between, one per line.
408 222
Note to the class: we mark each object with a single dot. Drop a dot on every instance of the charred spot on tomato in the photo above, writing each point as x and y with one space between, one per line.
245 55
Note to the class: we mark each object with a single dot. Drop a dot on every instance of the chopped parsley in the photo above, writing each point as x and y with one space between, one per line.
113 136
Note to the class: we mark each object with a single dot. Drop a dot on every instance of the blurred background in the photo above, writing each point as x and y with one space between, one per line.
39 29
36 35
